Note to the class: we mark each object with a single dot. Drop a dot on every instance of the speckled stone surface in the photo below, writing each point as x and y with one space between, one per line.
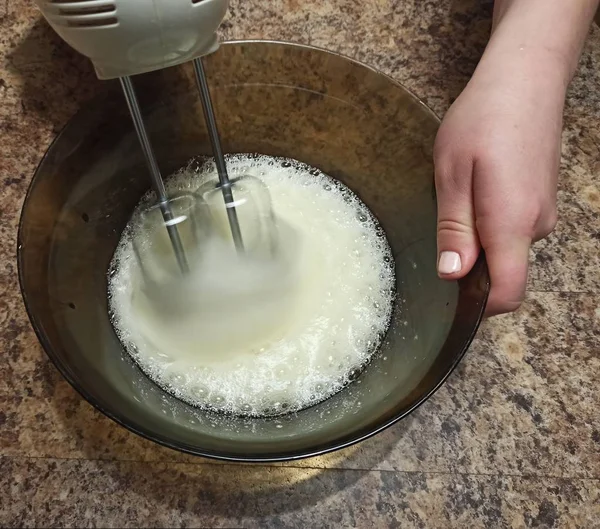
512 439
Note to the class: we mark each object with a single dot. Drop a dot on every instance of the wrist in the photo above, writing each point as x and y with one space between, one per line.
525 65
546 35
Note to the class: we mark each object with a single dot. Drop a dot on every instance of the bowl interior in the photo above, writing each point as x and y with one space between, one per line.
278 99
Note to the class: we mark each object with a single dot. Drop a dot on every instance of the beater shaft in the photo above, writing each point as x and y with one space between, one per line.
213 134
156 178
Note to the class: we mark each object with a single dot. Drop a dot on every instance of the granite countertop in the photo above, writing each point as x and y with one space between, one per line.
511 440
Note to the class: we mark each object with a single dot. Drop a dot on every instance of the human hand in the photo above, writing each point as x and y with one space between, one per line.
497 156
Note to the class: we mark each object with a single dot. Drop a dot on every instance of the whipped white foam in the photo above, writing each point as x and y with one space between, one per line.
256 336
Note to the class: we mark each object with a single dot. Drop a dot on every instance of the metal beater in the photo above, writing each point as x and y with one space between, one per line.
155 175
129 37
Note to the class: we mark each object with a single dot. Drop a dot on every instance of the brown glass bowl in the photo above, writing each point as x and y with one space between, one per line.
279 99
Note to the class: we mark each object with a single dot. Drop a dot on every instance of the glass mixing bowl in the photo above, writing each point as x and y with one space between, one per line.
353 123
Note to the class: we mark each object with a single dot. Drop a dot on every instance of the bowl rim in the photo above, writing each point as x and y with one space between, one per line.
146 433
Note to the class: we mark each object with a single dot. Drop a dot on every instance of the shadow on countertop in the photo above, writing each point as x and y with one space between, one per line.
55 80
162 478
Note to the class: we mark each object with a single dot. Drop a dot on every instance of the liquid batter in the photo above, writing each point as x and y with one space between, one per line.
258 335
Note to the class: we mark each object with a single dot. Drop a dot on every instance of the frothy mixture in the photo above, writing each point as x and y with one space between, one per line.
260 335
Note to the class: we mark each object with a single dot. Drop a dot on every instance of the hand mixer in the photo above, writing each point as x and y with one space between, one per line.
128 37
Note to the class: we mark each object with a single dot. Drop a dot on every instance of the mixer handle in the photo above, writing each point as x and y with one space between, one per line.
129 37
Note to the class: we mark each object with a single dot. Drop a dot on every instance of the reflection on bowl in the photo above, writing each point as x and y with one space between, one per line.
330 112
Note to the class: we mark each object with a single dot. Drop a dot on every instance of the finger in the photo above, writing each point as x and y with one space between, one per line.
507 257
458 244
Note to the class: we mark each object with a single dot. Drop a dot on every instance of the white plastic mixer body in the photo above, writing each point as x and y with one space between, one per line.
128 37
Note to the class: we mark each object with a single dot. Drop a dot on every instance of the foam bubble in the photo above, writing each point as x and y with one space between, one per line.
336 318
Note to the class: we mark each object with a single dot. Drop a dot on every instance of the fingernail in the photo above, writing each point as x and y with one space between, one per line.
449 263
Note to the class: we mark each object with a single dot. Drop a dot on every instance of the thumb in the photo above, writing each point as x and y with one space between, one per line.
457 241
